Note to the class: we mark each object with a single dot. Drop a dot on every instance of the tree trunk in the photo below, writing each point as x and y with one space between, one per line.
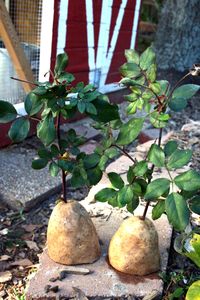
177 42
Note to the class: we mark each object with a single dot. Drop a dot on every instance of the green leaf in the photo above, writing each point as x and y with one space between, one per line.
136 188
181 95
195 254
188 244
32 104
140 168
133 204
129 131
155 120
194 205
7 112
54 150
91 109
177 211
40 163
131 97
156 156
105 195
151 73
111 152
79 177
66 165
193 291
81 106
186 91
130 70
19 130
46 130
158 210
66 77
53 169
91 160
103 161
94 175
61 63
132 56
188 181
157 188
179 158
147 58
164 85
179 291
155 87
113 201
116 180
177 104
130 175
131 108
44 153
106 112
125 195
40 90
170 147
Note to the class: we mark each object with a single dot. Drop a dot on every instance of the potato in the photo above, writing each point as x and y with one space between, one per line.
134 247
71 235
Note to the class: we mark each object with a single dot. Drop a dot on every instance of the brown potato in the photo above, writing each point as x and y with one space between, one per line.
71 235
134 247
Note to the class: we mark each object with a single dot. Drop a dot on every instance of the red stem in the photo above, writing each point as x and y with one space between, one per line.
64 194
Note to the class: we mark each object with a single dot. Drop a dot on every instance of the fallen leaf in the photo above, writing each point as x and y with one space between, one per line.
4 231
5 276
32 245
30 227
5 257
22 262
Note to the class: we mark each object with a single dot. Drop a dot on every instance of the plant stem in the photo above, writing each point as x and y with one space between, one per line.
64 196
183 78
27 81
152 169
125 153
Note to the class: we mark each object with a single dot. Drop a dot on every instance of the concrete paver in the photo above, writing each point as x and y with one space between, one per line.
102 281
23 187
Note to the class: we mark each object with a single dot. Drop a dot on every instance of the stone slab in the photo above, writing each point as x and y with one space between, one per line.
23 187
103 281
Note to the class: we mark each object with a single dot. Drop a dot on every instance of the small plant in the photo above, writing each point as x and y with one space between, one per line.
175 196
71 235
48 103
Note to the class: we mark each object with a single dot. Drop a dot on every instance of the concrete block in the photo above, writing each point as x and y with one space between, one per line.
103 281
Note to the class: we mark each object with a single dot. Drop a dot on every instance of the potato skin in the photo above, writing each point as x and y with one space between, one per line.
71 235
134 247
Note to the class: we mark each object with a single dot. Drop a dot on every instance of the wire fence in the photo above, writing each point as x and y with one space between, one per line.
26 16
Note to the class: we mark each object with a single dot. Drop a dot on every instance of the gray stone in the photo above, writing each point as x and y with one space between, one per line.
23 187
102 281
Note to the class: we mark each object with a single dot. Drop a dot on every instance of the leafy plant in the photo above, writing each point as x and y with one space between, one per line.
48 103
175 196
188 244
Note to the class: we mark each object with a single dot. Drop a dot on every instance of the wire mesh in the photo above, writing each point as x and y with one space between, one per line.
26 16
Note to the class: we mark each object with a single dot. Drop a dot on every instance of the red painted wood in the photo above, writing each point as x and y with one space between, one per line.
76 40
123 42
97 7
